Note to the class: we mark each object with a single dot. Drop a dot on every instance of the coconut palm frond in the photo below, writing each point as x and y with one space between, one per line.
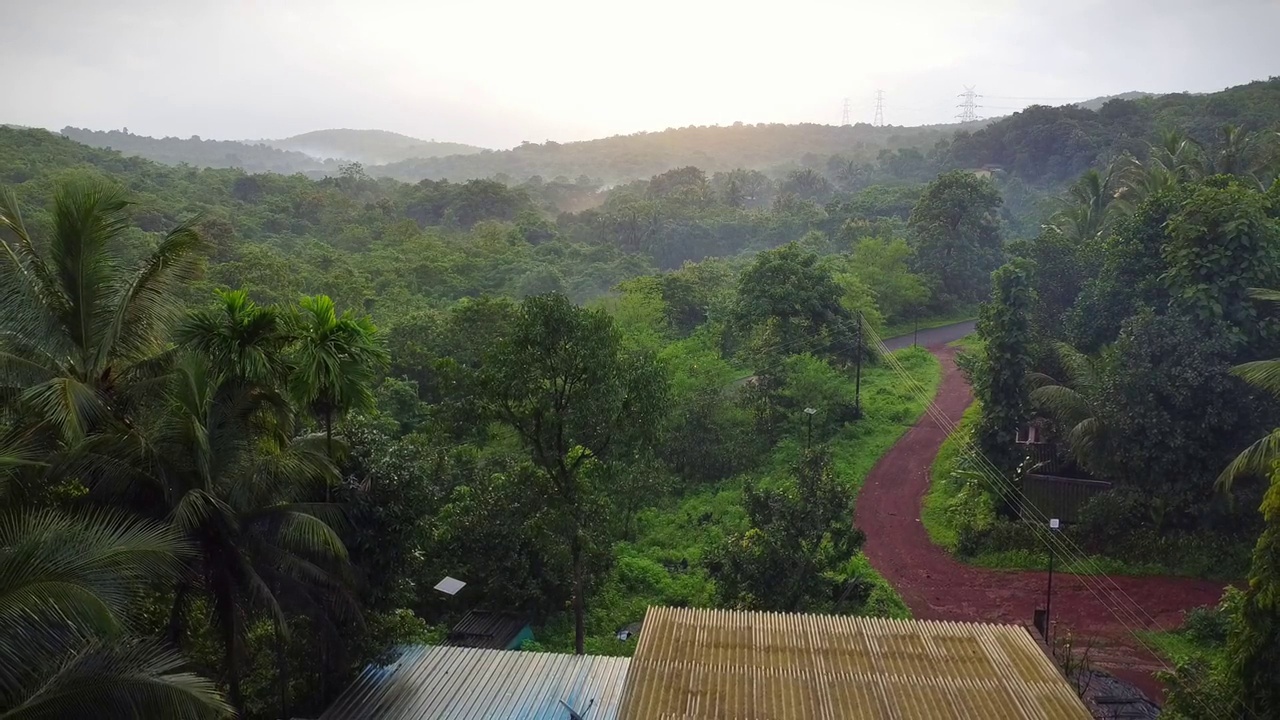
1264 374
147 305
121 680
1065 404
1256 460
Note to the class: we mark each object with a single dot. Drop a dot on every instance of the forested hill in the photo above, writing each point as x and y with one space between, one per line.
199 152
1051 146
621 158
371 147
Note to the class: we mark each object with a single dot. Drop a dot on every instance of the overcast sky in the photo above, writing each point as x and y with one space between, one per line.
496 72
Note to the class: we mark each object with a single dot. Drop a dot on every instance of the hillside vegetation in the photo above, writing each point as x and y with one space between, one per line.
371 147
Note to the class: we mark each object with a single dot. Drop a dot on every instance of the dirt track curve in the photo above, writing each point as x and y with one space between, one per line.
937 587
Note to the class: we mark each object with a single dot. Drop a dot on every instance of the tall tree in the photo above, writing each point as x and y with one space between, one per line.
336 359
573 393
79 327
799 540
1001 381
956 233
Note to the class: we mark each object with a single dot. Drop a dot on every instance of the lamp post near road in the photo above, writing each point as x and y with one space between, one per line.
1048 596
808 441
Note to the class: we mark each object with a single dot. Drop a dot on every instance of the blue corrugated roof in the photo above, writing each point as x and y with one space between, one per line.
456 683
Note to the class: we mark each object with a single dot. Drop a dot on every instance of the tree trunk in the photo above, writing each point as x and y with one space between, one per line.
282 669
579 605
232 660
328 448
177 613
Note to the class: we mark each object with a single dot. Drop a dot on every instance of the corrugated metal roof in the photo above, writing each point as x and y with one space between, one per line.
704 664
482 629
456 683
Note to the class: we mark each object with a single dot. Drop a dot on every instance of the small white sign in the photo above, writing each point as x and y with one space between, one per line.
450 586
1053 524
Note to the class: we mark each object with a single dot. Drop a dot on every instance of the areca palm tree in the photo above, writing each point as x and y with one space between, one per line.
81 330
215 464
245 340
68 586
336 361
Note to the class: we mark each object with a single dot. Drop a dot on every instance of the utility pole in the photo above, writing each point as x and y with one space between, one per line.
844 118
1048 596
968 108
915 333
857 383
879 121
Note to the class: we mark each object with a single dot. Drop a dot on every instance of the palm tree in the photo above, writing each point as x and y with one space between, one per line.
67 587
245 340
336 361
1176 159
1070 405
1089 209
215 464
1258 458
80 330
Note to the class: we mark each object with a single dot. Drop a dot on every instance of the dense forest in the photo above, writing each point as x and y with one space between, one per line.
248 420
1136 334
295 405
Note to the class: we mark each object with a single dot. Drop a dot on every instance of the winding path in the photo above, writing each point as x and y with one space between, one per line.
937 587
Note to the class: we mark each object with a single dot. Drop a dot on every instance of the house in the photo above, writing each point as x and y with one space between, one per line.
493 630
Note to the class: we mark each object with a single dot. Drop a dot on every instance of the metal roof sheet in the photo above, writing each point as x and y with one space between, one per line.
481 629
716 664
456 683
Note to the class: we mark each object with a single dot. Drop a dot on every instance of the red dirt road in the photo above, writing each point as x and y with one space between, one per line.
937 587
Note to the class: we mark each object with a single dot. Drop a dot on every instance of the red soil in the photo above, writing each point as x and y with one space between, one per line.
938 587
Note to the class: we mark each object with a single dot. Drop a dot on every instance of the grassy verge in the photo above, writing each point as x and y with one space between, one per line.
662 565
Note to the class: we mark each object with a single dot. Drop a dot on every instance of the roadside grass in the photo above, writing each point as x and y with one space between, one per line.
662 565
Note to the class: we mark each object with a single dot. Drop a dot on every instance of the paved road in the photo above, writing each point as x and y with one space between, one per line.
933 337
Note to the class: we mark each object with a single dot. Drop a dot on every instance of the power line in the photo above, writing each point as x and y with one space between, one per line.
968 108
879 121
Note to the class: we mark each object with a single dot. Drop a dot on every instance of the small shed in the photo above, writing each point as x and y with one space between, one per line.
493 630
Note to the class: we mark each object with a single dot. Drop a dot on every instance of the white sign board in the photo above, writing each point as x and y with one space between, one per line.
450 586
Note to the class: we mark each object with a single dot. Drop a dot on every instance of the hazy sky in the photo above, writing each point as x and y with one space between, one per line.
496 72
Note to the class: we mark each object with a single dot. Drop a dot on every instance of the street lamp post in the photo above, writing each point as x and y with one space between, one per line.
808 441
1048 596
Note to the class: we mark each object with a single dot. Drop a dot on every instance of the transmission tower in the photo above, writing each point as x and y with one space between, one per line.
968 108
879 121
844 118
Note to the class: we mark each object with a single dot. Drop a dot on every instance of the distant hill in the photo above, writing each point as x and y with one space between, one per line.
1097 103
1051 146
369 147
623 158
203 153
